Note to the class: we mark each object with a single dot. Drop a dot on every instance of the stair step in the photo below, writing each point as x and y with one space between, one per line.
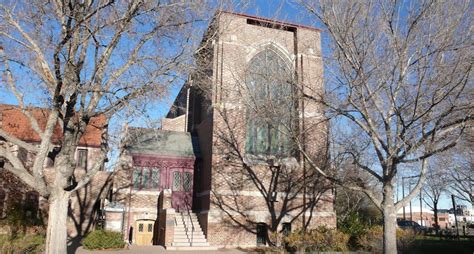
196 234
186 240
180 244
192 248
198 240
180 241
189 244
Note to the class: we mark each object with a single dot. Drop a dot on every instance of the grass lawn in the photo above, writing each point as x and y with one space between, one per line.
434 245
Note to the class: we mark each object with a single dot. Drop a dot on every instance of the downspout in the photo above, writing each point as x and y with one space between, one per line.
188 91
128 213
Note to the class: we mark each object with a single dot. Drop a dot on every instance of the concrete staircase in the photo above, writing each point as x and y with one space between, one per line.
188 233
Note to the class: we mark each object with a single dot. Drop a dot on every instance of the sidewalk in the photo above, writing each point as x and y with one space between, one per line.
154 250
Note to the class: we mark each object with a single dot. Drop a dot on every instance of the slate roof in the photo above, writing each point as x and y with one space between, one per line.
161 142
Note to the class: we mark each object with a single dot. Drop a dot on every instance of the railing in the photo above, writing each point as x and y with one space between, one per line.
192 227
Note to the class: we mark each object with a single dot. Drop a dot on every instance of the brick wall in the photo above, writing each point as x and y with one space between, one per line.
231 195
174 124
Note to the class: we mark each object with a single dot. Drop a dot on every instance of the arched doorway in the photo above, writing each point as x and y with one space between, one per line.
144 232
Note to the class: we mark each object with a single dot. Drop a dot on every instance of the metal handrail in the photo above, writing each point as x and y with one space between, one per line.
192 228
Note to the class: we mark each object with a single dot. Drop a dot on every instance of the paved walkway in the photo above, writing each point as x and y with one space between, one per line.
155 249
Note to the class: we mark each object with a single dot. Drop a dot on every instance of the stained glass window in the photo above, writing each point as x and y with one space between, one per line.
176 181
137 175
155 178
187 181
145 178
271 107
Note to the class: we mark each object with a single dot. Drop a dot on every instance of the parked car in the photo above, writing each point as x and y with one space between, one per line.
408 224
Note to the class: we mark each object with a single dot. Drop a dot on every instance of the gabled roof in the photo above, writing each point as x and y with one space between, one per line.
161 142
16 123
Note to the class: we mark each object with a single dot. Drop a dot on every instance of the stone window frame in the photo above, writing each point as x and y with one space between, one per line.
252 151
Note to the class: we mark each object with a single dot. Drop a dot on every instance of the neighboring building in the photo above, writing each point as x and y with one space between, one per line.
16 197
427 216
188 167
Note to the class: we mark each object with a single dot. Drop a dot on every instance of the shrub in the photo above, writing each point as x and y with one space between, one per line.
22 219
372 240
101 239
405 239
354 227
320 239
22 243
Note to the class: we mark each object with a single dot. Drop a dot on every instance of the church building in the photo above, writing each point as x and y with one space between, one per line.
233 162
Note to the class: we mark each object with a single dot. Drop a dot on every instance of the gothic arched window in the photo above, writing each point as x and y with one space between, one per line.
271 106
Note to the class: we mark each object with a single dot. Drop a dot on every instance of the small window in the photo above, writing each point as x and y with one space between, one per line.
187 181
32 202
286 229
155 178
261 234
176 181
145 178
140 227
150 227
82 158
137 175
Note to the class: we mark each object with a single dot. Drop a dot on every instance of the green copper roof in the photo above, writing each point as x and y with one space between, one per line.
161 142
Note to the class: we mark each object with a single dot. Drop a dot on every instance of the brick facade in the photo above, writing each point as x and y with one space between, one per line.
240 39
212 107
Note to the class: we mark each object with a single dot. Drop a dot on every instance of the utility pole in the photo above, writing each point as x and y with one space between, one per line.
421 209
411 214
403 196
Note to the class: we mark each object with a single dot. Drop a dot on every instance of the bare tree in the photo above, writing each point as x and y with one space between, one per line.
437 183
81 60
461 170
399 79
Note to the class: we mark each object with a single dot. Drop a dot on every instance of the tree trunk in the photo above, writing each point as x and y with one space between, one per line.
389 221
435 211
56 236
